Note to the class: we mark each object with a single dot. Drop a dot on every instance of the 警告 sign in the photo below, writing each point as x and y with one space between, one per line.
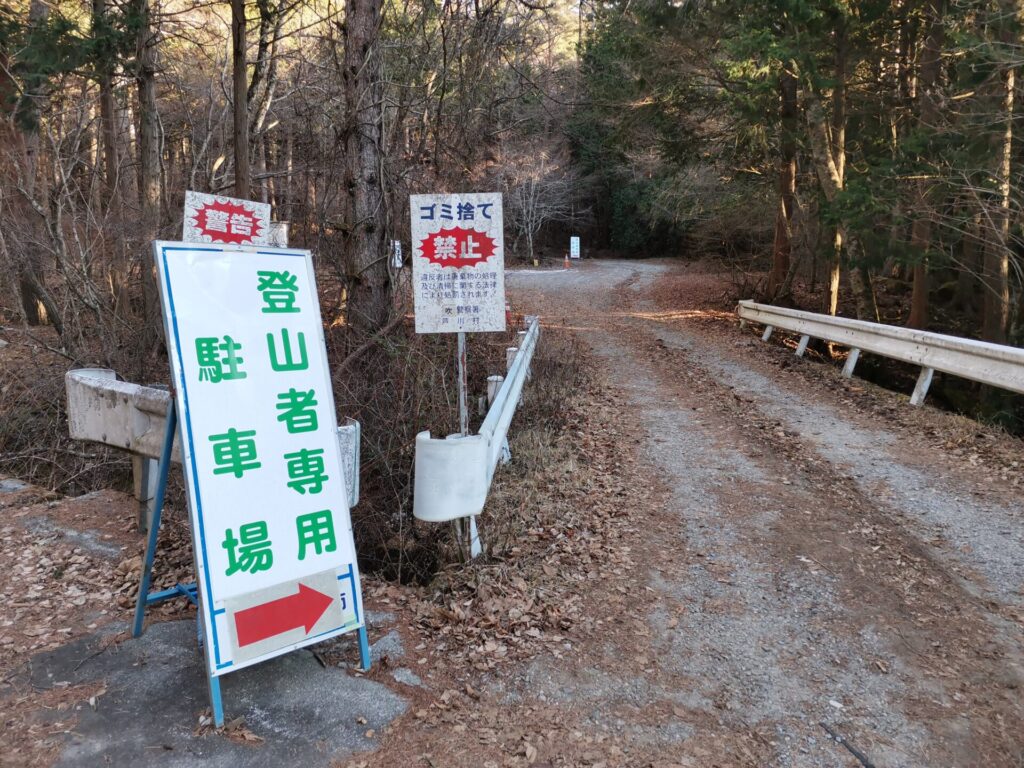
275 560
217 219
458 262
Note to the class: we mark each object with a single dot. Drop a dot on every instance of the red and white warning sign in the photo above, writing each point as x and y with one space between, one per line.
458 262
216 219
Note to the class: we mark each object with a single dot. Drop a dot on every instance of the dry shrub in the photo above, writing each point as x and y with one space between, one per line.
405 384
558 522
542 452
34 441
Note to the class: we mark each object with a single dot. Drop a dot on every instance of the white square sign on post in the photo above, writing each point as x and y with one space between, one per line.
574 247
274 555
458 262
217 219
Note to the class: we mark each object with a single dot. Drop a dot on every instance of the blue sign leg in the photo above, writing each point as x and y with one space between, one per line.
158 508
215 703
364 650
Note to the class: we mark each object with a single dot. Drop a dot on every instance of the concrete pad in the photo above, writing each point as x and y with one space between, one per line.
156 691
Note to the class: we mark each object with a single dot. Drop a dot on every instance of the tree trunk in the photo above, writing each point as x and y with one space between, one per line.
108 108
996 306
111 159
919 233
838 148
997 255
783 243
860 285
970 267
243 177
364 251
928 119
831 183
261 172
835 272
36 303
149 163
260 94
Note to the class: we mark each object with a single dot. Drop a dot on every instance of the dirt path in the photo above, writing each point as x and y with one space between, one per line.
811 566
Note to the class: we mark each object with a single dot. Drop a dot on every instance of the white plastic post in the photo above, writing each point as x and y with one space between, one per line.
802 346
924 380
767 333
510 357
851 363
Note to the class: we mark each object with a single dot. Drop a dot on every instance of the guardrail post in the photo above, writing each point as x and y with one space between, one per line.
510 357
802 346
493 385
767 333
144 481
851 363
522 341
924 380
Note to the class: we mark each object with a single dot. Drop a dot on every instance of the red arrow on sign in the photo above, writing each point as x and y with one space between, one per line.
303 609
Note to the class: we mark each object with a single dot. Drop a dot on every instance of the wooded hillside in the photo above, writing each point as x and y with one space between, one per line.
332 114
869 146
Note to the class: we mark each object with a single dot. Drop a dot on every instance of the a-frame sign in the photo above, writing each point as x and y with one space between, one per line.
274 555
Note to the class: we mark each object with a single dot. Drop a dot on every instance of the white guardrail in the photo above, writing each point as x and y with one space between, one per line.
453 474
102 409
995 364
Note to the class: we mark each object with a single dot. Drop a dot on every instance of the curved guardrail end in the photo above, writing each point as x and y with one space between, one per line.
451 477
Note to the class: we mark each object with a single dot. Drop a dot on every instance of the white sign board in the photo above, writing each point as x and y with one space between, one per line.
574 247
396 254
275 560
458 262
216 219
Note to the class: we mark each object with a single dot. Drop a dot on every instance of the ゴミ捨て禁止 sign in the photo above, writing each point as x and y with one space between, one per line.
458 262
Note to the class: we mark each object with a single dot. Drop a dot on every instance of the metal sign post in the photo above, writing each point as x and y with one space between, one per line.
272 539
475 547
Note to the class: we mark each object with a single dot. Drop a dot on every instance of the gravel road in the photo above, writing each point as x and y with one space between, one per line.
817 570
